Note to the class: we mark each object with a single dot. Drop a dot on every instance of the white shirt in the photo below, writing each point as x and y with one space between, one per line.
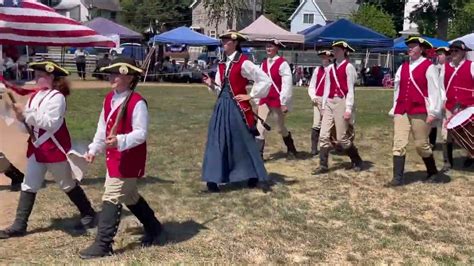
443 73
434 92
261 82
49 115
351 74
284 71
314 82
124 141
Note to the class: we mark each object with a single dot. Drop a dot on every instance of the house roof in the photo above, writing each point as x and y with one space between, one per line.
330 9
111 5
263 29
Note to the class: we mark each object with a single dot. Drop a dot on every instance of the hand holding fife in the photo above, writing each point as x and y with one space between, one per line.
90 158
284 109
111 142
242 97
18 108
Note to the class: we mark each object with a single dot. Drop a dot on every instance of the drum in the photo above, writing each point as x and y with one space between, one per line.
461 128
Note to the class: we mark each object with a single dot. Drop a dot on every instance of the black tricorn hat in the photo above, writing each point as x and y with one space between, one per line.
459 45
49 67
123 66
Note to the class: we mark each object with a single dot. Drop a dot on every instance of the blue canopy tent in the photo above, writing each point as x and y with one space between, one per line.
310 29
399 45
343 29
184 35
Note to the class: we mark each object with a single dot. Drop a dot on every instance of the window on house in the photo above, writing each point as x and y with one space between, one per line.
308 18
212 33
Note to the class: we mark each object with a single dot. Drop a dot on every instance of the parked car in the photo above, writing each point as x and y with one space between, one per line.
132 50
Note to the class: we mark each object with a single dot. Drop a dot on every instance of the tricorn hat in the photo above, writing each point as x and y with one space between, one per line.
344 45
49 67
122 66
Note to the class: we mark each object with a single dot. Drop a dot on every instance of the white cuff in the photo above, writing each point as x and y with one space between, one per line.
121 142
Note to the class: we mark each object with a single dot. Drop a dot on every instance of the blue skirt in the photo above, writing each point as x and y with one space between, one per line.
231 151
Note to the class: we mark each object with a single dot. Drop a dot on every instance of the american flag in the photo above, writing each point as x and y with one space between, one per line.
27 22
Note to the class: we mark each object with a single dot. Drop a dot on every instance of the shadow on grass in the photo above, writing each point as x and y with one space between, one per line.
301 155
142 181
174 233
419 176
69 225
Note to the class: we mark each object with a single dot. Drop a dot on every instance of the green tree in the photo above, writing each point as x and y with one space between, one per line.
394 8
371 16
462 23
138 14
433 19
279 11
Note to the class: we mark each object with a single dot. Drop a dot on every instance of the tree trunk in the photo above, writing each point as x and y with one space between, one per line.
442 30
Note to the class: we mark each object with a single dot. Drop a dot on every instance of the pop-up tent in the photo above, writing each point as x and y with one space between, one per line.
264 29
343 29
107 28
184 35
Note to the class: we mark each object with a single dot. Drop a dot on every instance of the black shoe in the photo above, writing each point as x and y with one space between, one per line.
88 215
323 162
314 141
16 176
356 160
398 171
25 206
109 220
212 187
153 227
431 170
252 182
260 145
290 145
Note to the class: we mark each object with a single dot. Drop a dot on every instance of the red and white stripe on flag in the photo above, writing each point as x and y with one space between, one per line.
27 22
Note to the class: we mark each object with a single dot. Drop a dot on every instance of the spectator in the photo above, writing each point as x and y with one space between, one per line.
103 62
80 57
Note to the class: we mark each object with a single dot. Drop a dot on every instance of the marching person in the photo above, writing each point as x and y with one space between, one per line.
126 152
231 153
278 99
10 171
316 92
416 106
47 147
457 80
338 105
442 54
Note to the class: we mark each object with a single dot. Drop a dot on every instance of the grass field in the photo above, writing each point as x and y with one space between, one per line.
341 217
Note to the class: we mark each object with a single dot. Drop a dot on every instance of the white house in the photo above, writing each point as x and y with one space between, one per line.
410 28
312 12
84 10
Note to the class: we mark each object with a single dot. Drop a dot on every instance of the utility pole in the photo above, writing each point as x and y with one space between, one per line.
254 5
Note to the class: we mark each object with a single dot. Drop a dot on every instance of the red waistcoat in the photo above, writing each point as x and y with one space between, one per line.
48 152
238 85
410 100
273 97
461 88
129 163
341 77
320 76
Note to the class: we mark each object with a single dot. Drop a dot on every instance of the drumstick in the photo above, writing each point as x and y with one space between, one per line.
28 128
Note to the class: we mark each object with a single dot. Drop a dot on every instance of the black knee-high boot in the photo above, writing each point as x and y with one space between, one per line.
23 211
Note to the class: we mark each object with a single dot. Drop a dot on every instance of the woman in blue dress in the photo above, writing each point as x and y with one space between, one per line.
231 152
